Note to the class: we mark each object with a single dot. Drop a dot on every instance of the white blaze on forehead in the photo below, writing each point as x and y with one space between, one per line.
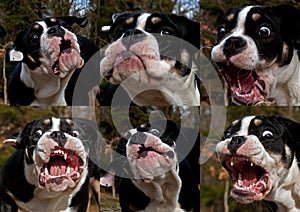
240 26
141 21
245 125
55 124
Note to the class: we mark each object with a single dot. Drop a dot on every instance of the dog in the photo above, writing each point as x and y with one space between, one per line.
49 59
50 169
257 53
261 155
153 57
150 179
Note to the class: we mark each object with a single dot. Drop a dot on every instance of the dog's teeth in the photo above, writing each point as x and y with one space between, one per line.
65 156
231 163
240 183
240 176
46 171
68 170
251 164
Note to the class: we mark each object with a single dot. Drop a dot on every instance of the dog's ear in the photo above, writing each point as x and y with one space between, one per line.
12 140
71 20
290 26
13 55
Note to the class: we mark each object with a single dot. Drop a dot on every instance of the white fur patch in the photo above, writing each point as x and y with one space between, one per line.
15 56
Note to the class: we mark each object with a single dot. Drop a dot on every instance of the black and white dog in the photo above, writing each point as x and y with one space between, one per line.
150 179
50 59
153 57
50 169
261 155
257 52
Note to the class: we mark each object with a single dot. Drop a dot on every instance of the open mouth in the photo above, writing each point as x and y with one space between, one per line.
65 48
246 86
63 165
250 181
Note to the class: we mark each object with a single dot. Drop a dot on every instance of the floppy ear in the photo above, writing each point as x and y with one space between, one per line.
71 20
13 55
12 140
291 26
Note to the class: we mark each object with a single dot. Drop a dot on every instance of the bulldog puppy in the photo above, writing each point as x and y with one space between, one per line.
261 155
258 54
50 57
152 57
50 169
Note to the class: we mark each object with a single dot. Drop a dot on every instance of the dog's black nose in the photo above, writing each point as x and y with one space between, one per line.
234 46
56 31
235 143
132 36
138 138
59 137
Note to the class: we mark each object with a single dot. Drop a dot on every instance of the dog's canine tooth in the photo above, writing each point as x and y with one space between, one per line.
231 163
251 164
65 156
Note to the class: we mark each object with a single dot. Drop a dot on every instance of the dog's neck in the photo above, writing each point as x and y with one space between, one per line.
287 196
287 91
169 91
48 89
163 192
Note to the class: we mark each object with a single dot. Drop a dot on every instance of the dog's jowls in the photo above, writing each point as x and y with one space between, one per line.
152 57
261 155
49 56
257 53
151 177
50 169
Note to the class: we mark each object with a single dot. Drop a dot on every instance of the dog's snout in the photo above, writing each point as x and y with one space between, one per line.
138 138
56 31
59 137
234 46
132 36
235 143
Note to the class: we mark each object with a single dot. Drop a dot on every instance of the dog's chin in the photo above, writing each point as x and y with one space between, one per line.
63 170
246 86
250 182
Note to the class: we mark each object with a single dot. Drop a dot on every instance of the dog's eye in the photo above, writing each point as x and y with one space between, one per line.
34 38
264 31
39 132
267 134
165 32
227 134
154 131
75 133
222 32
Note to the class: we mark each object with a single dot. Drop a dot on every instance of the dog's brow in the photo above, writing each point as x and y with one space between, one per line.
36 26
230 17
69 121
256 16
155 20
46 121
258 122
129 20
234 123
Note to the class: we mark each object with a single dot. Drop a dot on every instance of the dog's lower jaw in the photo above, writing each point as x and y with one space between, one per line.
163 192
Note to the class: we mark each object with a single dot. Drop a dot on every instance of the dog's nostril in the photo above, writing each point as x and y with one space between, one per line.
170 154
59 137
56 31
138 138
234 46
235 143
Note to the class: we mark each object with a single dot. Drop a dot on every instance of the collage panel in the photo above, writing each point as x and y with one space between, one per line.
249 113
100 106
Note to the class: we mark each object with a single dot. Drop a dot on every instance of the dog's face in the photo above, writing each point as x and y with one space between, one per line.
48 47
255 45
56 153
261 155
151 150
148 47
